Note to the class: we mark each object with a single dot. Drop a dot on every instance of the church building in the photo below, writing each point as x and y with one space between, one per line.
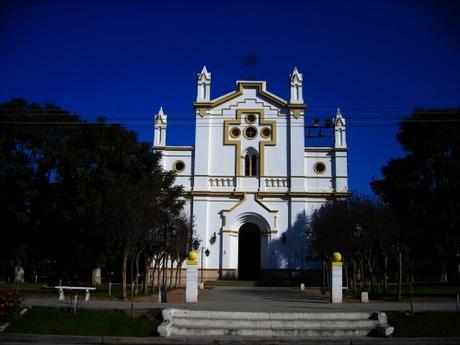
250 183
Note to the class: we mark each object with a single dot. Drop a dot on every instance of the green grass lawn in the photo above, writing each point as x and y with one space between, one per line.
40 290
86 322
425 324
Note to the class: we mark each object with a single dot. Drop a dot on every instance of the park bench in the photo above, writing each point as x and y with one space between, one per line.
75 289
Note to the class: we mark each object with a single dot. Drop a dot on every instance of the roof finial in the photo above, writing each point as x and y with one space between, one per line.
204 73
338 113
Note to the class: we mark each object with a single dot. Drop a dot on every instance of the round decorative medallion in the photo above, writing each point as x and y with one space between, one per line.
250 132
250 118
265 132
178 166
319 168
235 132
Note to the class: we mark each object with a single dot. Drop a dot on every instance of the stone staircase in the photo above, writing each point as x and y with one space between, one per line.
181 322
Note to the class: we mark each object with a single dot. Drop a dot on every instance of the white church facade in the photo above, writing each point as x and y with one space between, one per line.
250 183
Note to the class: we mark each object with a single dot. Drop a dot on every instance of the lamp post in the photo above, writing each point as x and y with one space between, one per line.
206 252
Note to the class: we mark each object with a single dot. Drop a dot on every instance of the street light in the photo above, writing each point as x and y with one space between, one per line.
206 252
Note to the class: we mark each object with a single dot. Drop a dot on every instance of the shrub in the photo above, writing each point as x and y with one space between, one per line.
10 305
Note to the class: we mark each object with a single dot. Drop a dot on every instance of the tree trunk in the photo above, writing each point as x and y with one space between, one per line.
400 273
160 272
411 288
177 274
154 272
171 275
136 277
385 274
148 273
324 274
371 274
362 280
354 276
124 273
180 271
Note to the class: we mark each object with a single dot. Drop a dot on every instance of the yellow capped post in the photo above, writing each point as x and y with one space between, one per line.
192 258
337 259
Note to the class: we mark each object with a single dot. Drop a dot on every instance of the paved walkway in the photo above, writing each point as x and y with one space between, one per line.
262 299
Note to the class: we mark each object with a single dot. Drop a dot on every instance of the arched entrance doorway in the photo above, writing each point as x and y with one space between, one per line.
249 252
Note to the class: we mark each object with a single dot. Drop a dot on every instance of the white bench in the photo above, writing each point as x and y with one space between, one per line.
76 289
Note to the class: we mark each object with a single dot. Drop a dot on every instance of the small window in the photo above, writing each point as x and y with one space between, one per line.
265 133
178 166
250 165
235 132
319 168
250 132
251 118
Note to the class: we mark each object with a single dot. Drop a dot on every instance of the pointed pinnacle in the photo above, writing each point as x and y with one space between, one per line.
338 113
160 112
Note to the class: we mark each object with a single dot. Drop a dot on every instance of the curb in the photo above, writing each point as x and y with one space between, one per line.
12 338
7 324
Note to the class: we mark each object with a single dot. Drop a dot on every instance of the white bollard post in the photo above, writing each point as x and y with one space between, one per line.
364 297
302 286
191 288
75 299
336 281
87 295
61 295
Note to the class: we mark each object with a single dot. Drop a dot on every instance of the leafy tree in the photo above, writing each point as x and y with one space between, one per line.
137 210
360 229
56 173
422 187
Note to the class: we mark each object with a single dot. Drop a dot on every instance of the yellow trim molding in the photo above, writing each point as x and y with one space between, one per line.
262 143
203 107
263 205
236 205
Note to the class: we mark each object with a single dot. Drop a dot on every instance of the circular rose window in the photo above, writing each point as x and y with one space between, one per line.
319 168
250 118
178 166
250 132
235 132
266 132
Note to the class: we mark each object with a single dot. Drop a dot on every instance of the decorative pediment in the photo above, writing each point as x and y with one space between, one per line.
249 206
261 92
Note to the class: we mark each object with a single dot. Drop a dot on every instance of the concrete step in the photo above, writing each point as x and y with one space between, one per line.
270 332
274 323
266 315
182 322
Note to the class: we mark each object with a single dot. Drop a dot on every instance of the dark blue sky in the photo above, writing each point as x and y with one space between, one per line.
376 60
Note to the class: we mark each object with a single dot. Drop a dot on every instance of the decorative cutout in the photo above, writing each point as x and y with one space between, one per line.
235 132
266 132
250 118
250 132
319 168
178 166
